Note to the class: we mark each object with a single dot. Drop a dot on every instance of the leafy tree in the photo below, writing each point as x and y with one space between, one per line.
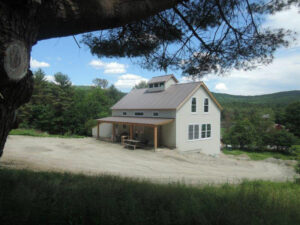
241 135
281 139
292 118
102 83
142 84
62 79
39 76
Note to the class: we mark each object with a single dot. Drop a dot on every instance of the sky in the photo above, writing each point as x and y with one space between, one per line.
63 55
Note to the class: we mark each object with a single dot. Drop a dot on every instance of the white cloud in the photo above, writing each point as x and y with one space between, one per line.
221 87
187 79
288 19
36 64
111 68
50 78
127 81
282 75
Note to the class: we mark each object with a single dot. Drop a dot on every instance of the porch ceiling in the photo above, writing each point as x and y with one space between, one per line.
151 122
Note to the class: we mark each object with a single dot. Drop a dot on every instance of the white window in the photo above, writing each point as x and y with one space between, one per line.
196 131
139 113
124 113
206 105
193 105
155 114
193 132
206 131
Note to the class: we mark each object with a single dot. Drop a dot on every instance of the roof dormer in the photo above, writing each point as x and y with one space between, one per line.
161 83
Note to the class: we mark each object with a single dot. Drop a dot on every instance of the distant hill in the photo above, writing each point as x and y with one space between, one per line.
279 98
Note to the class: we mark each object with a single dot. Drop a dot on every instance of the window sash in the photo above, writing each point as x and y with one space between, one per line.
196 131
138 113
191 132
206 103
155 114
194 105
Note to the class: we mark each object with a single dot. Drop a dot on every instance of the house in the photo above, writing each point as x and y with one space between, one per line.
185 116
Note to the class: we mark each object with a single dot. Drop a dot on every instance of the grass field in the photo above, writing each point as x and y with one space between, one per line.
266 154
28 197
36 133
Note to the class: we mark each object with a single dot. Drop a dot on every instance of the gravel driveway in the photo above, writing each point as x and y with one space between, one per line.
91 156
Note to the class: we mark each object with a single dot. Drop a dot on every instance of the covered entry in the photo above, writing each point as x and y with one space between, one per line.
133 122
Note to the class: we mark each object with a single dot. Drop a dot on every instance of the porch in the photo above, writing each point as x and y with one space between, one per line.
136 128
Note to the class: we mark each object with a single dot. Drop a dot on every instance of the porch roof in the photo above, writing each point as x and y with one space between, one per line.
145 121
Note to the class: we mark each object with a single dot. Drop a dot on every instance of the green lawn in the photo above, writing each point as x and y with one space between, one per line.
36 133
28 197
266 154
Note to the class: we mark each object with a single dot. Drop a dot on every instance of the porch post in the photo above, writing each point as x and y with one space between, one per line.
155 137
113 132
131 132
98 130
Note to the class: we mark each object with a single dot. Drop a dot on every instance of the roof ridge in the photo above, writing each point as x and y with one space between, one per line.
164 75
194 82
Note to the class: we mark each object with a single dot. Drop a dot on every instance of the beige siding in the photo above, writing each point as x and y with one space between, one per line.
169 83
184 117
147 113
105 130
168 135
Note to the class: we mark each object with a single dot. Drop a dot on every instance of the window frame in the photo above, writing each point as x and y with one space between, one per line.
156 85
150 85
193 106
139 112
124 113
155 112
206 105
200 131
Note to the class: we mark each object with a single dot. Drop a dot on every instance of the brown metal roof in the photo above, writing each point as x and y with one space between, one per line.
168 99
162 78
136 120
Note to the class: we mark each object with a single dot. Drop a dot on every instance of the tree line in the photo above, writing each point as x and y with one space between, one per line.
62 108
255 127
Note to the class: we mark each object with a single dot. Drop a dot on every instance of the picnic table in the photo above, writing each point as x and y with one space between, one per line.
131 143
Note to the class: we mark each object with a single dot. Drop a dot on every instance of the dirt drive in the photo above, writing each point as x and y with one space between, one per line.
91 156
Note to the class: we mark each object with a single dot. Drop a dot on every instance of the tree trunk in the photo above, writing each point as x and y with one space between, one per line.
18 31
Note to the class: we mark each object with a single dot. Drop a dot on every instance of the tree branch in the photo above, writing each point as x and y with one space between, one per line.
191 28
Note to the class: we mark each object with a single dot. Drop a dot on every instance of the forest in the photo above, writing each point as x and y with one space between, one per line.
62 108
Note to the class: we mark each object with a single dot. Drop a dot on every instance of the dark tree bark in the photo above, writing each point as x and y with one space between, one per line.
18 29
24 22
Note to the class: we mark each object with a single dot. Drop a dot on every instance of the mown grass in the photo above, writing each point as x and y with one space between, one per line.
266 154
28 197
36 133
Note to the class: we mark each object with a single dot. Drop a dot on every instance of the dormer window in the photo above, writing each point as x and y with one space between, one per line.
194 105
206 105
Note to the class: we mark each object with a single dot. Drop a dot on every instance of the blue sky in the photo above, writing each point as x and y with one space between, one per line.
63 55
